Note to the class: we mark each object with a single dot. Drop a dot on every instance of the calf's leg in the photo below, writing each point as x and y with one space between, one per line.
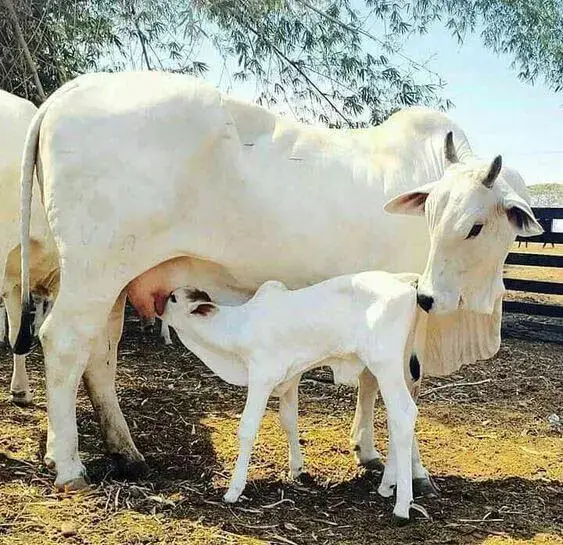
254 409
288 420
401 417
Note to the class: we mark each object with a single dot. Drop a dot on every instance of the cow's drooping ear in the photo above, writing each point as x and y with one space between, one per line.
410 203
494 171
203 308
520 216
450 153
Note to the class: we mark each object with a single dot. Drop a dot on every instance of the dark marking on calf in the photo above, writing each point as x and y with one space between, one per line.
198 295
249 144
414 366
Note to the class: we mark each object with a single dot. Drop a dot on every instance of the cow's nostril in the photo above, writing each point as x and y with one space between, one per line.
425 302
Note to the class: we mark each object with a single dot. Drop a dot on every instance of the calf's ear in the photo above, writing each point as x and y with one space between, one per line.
411 202
520 216
203 308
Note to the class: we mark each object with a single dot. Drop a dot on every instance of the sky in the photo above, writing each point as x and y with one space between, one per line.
499 113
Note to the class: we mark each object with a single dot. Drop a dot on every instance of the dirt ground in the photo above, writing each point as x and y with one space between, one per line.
484 435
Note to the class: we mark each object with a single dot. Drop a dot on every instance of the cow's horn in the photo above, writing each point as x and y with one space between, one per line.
493 173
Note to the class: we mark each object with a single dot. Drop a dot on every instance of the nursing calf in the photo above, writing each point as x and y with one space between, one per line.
267 343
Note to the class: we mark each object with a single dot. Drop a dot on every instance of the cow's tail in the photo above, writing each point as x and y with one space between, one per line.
24 340
25 337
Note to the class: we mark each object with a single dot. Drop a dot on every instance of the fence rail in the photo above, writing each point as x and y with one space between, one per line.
545 217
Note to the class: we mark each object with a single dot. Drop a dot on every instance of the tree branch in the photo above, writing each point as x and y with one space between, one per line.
23 44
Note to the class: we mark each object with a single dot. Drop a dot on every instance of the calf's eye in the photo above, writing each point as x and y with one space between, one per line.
173 298
475 230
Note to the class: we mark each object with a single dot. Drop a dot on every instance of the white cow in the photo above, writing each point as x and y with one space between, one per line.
15 117
140 168
366 319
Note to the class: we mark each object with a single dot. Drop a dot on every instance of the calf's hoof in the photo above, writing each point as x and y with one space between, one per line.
23 399
425 487
232 495
128 469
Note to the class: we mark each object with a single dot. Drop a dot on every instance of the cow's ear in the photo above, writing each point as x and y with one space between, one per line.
203 308
410 203
520 216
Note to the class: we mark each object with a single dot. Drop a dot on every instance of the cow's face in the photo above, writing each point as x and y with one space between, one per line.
473 216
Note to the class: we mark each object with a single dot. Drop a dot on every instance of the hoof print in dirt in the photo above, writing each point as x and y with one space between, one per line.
304 478
425 487
376 465
128 469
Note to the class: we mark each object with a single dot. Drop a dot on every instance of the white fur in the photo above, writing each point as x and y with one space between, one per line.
139 168
268 342
15 117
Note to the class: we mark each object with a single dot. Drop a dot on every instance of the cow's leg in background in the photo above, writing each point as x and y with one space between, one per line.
3 319
20 392
99 380
165 332
361 434
77 320
288 420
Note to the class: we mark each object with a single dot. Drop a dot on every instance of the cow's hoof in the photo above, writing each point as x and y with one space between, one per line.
386 490
128 469
23 399
73 485
400 521
425 487
375 465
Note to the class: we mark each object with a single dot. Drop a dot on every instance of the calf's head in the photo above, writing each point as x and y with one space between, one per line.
474 212
186 304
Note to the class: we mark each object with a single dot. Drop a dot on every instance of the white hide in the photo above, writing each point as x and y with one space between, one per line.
270 341
139 168
15 117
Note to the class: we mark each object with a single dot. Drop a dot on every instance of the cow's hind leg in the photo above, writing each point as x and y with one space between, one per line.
78 318
289 405
361 434
20 393
99 380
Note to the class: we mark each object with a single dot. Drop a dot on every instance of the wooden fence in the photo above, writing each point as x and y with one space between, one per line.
545 217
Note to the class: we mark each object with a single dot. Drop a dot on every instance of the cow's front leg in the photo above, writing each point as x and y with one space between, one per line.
99 380
361 435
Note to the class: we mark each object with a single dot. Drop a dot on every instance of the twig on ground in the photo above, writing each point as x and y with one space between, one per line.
454 385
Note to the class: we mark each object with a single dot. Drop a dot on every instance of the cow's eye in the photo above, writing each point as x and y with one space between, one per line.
475 230
173 298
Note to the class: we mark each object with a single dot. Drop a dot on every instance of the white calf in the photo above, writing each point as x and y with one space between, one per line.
270 341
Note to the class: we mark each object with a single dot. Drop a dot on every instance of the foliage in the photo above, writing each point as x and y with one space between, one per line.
340 61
